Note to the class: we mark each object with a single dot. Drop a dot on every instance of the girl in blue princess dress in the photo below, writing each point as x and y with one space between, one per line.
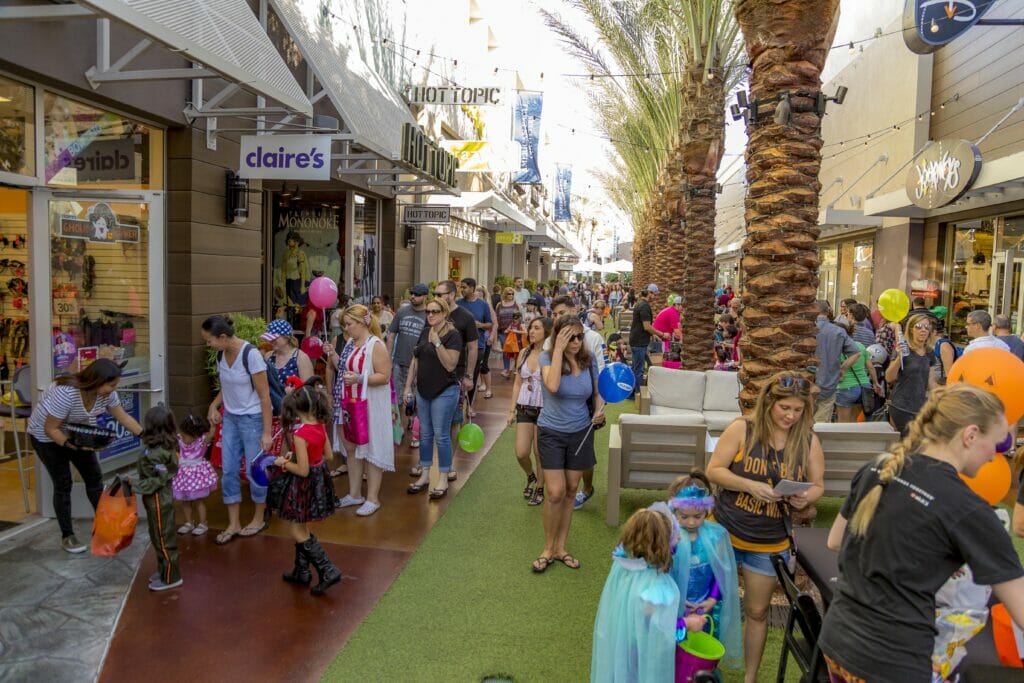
635 629
704 568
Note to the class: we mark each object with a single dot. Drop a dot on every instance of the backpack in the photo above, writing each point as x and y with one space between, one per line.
273 381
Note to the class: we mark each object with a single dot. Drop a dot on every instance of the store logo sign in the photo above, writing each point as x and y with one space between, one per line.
436 214
423 154
106 160
942 173
428 94
99 225
930 24
508 238
285 157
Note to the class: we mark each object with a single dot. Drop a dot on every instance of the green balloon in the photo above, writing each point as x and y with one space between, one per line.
471 438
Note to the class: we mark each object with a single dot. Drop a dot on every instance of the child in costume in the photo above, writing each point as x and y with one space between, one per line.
303 491
635 628
157 467
196 478
704 568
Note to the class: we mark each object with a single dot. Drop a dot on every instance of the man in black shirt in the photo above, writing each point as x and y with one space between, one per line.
640 332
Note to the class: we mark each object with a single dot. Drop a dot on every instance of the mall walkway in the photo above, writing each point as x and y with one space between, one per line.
235 619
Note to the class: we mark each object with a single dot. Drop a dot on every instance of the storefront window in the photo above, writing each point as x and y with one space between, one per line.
14 302
365 278
99 265
90 147
17 128
971 275
308 240
828 273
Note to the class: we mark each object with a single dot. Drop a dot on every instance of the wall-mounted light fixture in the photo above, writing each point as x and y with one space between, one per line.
410 236
236 198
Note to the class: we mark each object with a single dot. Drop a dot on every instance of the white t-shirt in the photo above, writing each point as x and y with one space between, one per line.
522 296
988 341
236 387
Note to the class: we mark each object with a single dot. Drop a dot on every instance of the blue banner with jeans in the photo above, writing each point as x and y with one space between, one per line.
526 131
563 186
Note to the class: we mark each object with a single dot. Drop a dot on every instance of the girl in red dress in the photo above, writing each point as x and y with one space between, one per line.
303 491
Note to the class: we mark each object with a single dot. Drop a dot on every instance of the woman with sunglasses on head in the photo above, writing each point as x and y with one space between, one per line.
909 373
752 456
565 433
437 394
912 522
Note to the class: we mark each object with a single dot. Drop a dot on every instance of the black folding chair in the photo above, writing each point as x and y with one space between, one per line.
803 625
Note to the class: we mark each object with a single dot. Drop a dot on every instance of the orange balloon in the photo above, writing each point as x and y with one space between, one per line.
997 371
992 482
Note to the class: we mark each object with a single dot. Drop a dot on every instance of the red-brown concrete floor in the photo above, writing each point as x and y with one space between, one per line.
235 619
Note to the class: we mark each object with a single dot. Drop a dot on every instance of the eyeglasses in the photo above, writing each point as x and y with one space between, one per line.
576 337
791 383
430 311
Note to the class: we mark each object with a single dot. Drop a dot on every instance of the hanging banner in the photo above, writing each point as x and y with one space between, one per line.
930 24
563 186
483 156
526 131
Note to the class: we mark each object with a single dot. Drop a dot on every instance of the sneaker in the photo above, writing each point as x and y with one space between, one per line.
159 585
72 545
367 509
581 498
349 501
154 577
186 528
415 443
200 530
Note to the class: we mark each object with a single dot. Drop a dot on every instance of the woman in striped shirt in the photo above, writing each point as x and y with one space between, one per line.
80 399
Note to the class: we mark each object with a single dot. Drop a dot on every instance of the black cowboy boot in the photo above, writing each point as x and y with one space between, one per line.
329 574
300 573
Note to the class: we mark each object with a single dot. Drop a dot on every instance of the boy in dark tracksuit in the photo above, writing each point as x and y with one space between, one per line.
157 468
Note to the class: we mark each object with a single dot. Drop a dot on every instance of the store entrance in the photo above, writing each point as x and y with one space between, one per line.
99 293
1007 294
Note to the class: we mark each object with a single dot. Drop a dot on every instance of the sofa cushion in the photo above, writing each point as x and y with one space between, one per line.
676 388
722 391
854 427
667 411
686 418
718 420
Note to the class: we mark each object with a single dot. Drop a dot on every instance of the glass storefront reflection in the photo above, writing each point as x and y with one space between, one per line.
17 128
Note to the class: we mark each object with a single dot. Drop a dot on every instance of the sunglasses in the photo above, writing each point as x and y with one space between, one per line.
576 337
437 293
791 383
434 310
922 326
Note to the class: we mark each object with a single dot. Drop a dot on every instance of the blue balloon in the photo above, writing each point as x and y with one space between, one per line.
615 383
258 470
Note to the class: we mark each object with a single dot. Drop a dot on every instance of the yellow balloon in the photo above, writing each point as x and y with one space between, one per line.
894 305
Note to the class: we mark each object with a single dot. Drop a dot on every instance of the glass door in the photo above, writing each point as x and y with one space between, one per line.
1007 295
99 291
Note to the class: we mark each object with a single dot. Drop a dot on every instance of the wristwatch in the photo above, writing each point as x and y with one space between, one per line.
437 345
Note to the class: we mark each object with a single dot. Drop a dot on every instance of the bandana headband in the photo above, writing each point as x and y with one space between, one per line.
693 498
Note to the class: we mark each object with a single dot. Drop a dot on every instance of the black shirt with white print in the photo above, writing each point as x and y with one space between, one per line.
881 624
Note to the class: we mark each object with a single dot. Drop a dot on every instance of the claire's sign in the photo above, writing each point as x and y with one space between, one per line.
942 173
930 24
285 157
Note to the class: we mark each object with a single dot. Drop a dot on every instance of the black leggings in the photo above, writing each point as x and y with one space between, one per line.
58 460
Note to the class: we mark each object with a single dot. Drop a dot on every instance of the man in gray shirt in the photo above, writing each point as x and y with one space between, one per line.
404 332
832 343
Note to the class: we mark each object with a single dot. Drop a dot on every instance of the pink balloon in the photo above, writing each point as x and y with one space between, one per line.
323 292
313 347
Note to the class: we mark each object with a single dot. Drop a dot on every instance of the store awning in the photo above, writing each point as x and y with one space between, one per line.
372 111
223 36
497 213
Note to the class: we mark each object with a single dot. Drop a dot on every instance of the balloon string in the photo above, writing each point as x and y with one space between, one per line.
585 436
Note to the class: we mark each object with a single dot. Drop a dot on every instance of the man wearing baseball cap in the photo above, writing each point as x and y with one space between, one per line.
640 332
404 333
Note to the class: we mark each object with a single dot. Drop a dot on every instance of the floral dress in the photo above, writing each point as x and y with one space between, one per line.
196 478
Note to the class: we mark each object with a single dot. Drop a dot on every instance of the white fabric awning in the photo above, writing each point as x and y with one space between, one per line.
498 214
222 35
372 111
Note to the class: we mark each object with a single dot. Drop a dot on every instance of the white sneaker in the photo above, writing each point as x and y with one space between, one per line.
186 528
200 530
349 501
72 544
367 509
161 586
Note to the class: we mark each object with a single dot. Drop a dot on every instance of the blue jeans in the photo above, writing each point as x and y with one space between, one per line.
436 426
239 436
506 362
639 363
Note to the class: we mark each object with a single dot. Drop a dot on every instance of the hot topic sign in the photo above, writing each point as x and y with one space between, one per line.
285 157
942 173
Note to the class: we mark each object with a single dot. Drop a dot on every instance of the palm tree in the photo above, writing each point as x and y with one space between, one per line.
788 43
666 123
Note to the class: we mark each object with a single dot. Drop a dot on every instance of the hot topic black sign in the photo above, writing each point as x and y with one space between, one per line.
930 24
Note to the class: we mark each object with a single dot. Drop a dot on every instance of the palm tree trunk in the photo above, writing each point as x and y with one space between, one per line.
787 42
702 141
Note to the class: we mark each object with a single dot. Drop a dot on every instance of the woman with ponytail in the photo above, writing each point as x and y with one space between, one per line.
912 523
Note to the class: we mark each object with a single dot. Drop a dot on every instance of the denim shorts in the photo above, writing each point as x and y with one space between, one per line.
847 398
756 562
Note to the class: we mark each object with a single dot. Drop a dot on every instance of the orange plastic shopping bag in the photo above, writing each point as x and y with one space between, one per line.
116 517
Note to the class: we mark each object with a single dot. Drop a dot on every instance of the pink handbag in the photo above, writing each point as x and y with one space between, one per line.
356 412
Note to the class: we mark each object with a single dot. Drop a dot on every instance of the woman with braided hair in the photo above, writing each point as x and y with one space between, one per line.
912 523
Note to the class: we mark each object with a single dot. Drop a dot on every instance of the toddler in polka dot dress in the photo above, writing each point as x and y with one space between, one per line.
196 478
